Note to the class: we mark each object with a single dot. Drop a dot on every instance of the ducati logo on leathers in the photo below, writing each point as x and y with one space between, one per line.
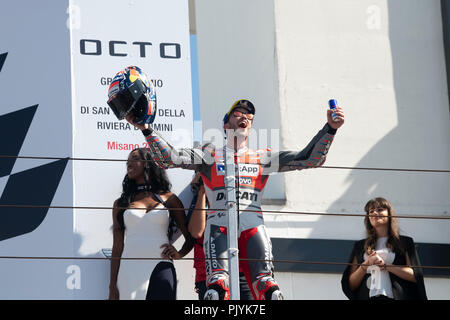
241 195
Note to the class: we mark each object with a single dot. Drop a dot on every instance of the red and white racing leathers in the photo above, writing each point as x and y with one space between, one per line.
252 171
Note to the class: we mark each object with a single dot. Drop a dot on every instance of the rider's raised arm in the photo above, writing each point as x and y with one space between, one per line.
313 155
166 156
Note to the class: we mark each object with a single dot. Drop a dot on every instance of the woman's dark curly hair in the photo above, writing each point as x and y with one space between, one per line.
156 180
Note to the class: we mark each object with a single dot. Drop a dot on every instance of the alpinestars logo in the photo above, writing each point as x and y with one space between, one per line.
35 187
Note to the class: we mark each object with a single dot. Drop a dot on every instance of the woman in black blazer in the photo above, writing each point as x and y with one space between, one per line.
384 265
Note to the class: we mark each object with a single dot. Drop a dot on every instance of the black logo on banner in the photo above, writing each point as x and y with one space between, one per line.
119 48
35 187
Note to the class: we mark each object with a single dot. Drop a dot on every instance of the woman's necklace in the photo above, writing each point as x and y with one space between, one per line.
143 187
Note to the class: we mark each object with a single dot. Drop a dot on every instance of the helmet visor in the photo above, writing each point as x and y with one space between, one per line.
123 102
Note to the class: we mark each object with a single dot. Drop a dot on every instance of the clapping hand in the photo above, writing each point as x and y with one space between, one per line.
376 260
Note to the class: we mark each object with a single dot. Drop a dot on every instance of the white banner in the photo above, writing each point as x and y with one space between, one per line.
106 37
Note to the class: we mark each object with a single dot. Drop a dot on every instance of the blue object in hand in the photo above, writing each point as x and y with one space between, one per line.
333 104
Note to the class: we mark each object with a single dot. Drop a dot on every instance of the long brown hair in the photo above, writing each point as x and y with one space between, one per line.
393 241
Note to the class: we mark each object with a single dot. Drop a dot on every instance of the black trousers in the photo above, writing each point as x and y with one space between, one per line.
163 282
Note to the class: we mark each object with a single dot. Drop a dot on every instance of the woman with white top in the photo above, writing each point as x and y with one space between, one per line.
385 264
143 223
